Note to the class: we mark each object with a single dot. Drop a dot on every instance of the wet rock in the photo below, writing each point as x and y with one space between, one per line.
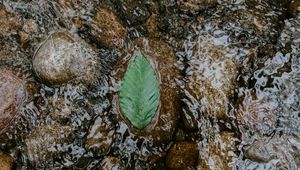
65 106
16 106
60 109
100 136
64 57
294 7
280 3
10 22
183 155
210 81
30 28
151 25
288 40
132 11
110 163
169 21
219 152
6 162
13 95
255 116
71 14
280 151
252 19
196 5
276 80
46 143
160 130
108 28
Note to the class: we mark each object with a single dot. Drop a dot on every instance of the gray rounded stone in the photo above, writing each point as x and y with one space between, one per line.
62 58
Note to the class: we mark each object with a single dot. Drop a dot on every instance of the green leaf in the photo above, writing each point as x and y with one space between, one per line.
139 92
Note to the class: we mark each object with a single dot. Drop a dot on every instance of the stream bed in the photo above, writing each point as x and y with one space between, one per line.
150 84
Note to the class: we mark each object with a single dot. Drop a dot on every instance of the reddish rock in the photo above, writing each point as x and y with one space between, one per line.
12 96
183 155
16 105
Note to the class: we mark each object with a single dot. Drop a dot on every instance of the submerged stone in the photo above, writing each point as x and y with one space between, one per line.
294 8
46 143
210 82
17 93
219 152
168 20
100 136
255 17
151 25
282 152
132 11
12 97
108 28
196 5
10 22
63 58
255 117
6 161
183 155
110 163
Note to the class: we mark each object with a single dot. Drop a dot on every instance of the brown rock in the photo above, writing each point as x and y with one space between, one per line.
152 26
30 26
6 162
108 28
255 116
196 5
110 163
210 81
64 57
60 109
100 136
183 155
253 18
218 153
40 145
162 126
132 11
289 37
294 7
285 149
9 21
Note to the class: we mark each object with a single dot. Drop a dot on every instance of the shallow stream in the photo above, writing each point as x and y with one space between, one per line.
227 93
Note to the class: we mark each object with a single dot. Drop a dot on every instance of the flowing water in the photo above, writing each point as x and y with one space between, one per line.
237 74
